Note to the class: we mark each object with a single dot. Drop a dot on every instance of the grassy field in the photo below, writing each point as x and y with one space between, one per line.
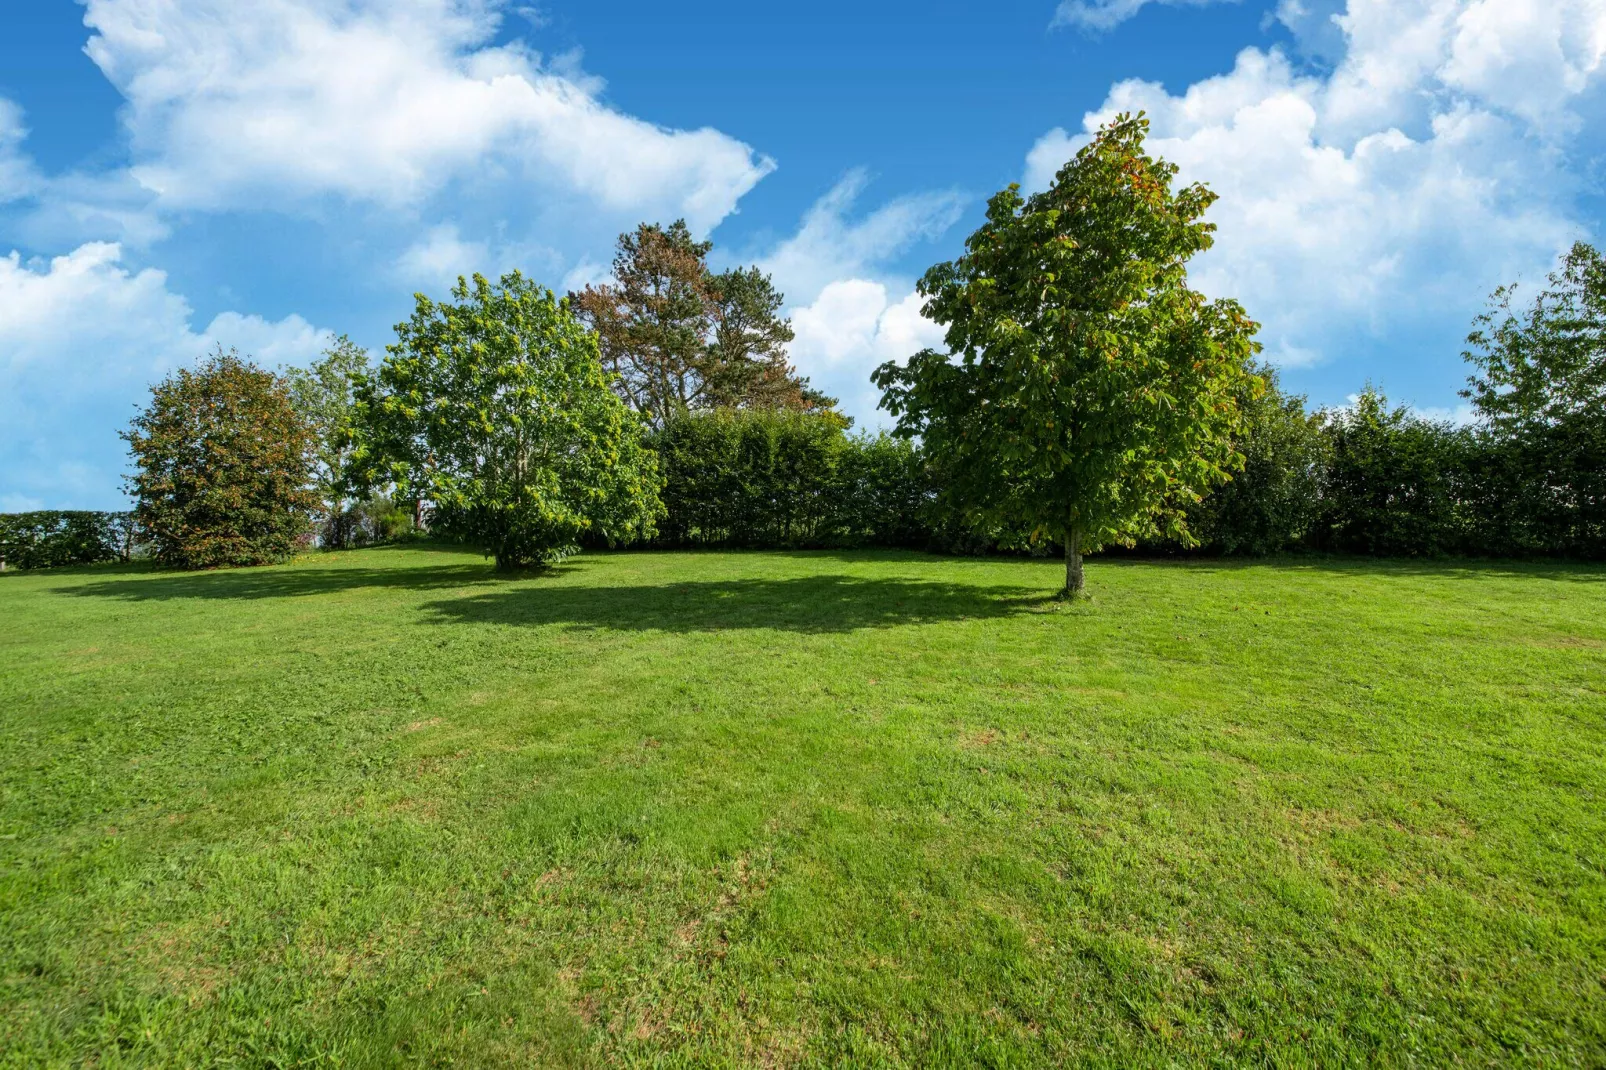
872 809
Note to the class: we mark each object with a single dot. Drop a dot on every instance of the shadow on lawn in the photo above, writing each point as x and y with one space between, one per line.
814 603
821 603
801 604
277 581
1448 567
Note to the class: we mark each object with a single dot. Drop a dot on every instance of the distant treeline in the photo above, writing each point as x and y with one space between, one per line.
54 537
1369 479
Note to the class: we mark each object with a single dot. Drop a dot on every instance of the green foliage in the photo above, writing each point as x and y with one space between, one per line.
1396 483
1094 394
1540 489
679 337
883 493
1274 501
368 521
223 464
746 359
1545 366
379 519
1541 389
53 538
324 395
494 406
777 478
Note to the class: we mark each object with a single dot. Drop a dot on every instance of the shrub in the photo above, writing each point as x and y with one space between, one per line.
53 538
495 407
778 478
365 522
1396 485
748 477
1274 501
882 493
224 463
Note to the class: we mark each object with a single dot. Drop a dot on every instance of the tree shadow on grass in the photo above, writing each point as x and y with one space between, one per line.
818 604
1462 567
281 582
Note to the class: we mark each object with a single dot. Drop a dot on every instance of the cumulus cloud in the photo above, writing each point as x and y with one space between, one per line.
830 246
81 339
850 312
234 105
1101 15
1429 165
853 326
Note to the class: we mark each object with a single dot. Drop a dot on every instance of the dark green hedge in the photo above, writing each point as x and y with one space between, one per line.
1369 480
1380 481
52 538
755 478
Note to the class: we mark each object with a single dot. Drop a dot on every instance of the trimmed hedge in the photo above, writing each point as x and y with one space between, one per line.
53 537
1381 481
761 478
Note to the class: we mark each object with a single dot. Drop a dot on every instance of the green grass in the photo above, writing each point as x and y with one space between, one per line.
871 809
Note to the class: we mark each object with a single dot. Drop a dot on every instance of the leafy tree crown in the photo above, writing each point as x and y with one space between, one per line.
1544 365
680 337
495 407
223 466
1089 394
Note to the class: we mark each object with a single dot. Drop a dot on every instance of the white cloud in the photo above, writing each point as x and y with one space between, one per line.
850 313
1459 415
75 208
17 175
1099 15
853 326
82 338
443 254
233 105
1530 57
1429 166
828 246
1462 415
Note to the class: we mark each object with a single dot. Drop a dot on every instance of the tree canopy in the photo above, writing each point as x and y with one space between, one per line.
495 407
1088 394
324 396
1540 385
1544 365
223 464
680 337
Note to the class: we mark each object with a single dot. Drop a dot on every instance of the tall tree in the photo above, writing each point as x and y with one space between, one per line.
495 407
224 462
1540 387
680 337
651 321
1546 364
747 364
324 396
1094 394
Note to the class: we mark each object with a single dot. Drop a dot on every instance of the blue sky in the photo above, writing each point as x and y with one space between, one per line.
177 173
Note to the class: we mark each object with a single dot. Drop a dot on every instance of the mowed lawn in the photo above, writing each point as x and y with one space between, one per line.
387 807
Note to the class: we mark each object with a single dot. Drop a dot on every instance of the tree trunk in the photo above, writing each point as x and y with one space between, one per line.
1073 564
